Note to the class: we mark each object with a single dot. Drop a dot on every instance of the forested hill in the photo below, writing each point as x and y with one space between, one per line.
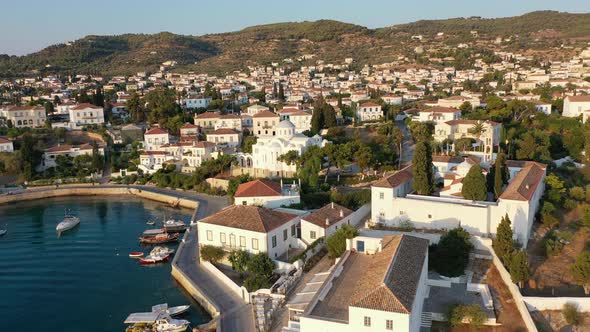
328 40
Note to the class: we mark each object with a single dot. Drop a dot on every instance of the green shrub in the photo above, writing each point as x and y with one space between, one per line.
450 256
211 253
571 314
261 265
256 282
549 220
336 243
473 313
577 193
239 259
570 204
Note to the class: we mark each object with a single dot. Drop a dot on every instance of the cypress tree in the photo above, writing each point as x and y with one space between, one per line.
274 90
519 267
422 168
503 244
281 92
474 184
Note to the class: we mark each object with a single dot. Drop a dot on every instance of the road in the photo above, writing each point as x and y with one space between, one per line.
408 143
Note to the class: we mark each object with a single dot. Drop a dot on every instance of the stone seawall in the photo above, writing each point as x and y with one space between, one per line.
99 191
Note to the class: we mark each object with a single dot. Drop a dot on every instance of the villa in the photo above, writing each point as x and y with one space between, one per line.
269 194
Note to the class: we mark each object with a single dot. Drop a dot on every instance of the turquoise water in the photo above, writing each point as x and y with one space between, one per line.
84 280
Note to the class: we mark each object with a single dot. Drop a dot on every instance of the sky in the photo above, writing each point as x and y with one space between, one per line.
28 26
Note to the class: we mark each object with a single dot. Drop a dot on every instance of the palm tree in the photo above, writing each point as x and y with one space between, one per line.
477 129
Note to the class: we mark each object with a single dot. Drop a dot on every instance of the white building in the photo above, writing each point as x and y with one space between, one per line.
6 145
438 115
369 112
301 119
224 137
214 120
392 203
489 136
377 285
574 106
324 222
251 228
268 194
188 155
193 102
154 138
50 155
189 132
86 114
264 123
267 150
457 101
24 116
542 106
255 109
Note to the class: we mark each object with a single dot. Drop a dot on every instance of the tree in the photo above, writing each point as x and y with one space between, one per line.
49 108
336 243
317 121
211 253
581 271
162 105
363 156
465 107
474 184
451 255
571 314
501 175
97 159
260 264
472 313
239 260
422 167
503 243
135 109
281 92
256 282
519 267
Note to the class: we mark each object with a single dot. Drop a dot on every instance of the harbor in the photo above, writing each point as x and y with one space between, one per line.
86 272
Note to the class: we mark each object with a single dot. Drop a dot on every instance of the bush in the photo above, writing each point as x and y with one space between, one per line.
261 265
570 204
256 282
549 220
336 243
211 253
239 259
577 193
406 226
571 315
473 313
451 255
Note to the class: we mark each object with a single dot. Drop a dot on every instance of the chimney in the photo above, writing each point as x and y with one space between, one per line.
341 213
327 221
332 205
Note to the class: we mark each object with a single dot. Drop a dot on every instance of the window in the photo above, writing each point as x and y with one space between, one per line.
222 237
312 235
429 216
232 240
209 236
274 241
381 195
255 244
367 321
285 234
293 230
389 324
402 212
243 241
244 203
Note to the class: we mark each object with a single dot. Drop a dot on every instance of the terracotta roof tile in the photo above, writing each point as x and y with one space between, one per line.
250 218
330 212
156 131
525 182
85 106
396 179
265 114
259 188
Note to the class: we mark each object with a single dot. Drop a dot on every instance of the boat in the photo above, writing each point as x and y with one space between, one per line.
3 231
153 259
161 250
151 222
154 231
70 221
174 226
158 238
135 254
171 325
173 311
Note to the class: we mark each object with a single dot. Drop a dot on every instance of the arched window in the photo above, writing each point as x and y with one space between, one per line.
19 123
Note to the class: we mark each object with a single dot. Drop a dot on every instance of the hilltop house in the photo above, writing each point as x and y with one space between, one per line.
369 112
251 228
24 116
574 106
154 138
86 114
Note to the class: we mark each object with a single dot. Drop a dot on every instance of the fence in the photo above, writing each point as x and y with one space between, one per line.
241 291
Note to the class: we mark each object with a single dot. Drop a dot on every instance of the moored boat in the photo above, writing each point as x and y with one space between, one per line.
154 231
171 325
158 238
161 250
3 231
174 226
135 254
173 311
151 222
70 221
153 259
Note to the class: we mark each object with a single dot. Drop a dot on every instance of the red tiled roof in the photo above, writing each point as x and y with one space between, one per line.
223 131
471 122
208 115
265 114
155 131
4 140
85 106
67 147
438 109
392 279
25 108
330 212
579 99
189 126
525 182
150 153
396 179
370 105
249 217
259 188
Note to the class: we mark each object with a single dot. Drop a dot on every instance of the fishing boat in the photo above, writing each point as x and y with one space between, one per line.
158 238
70 221
151 222
136 254
171 325
153 259
174 226
173 311
154 231
159 250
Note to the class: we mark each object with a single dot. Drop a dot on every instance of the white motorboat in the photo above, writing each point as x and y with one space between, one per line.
3 231
174 311
171 325
174 226
159 250
69 222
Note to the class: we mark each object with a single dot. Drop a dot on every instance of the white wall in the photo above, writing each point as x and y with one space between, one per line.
356 316
270 202
556 303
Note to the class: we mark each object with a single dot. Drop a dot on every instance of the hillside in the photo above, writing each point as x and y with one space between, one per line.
328 40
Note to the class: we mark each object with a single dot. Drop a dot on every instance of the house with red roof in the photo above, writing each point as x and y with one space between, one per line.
6 145
154 138
267 193
50 155
86 114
